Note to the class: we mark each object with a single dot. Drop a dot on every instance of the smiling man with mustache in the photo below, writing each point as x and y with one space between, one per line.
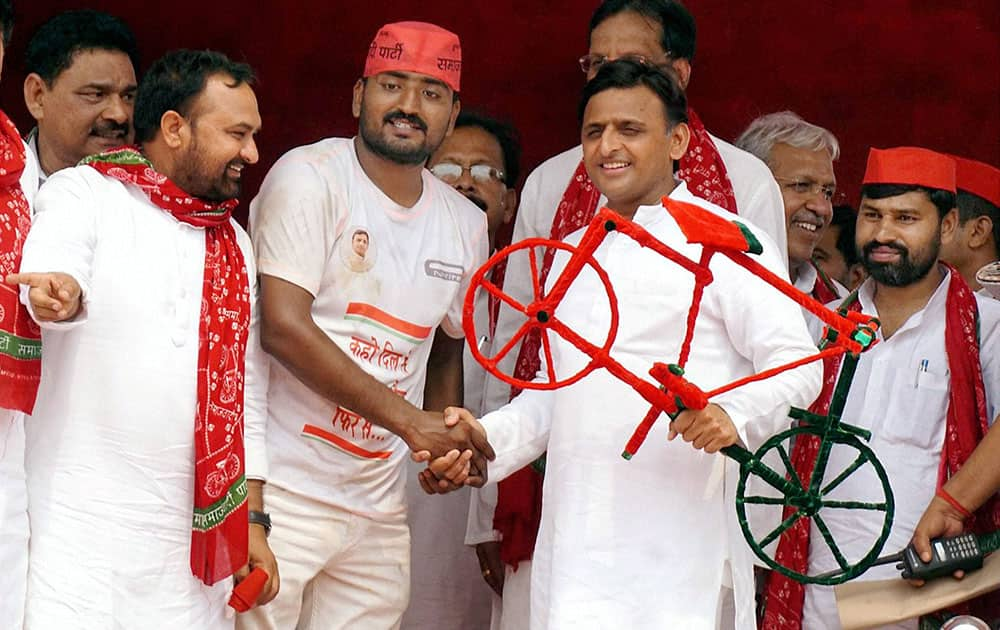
364 363
927 390
144 451
80 87
800 156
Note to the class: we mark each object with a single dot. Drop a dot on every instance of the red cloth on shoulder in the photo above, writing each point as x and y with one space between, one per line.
20 336
966 424
219 536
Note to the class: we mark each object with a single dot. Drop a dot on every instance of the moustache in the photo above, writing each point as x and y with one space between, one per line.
871 245
478 201
413 119
109 129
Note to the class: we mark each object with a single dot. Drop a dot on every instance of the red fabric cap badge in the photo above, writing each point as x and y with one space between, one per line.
912 166
416 47
978 178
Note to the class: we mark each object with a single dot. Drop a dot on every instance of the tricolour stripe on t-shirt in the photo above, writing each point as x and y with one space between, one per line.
360 312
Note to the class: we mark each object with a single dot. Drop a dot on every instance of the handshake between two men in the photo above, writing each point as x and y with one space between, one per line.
455 468
709 430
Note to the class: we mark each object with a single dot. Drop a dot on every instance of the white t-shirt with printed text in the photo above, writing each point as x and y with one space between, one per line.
384 277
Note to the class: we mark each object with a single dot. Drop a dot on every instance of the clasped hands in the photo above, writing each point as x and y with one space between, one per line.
455 448
709 429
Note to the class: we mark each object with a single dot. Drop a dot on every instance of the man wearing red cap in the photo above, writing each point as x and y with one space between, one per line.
352 344
927 390
977 238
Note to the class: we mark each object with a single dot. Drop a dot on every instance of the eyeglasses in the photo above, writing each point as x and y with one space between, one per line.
592 63
808 187
482 173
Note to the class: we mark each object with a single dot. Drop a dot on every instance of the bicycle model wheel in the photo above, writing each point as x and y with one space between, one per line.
804 502
539 315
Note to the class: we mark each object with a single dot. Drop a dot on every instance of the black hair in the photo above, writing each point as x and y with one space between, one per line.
626 73
506 136
174 81
845 218
675 20
972 206
54 44
6 20
944 200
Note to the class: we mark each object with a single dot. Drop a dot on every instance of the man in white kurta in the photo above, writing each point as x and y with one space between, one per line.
13 492
652 542
901 388
636 544
110 454
628 34
904 406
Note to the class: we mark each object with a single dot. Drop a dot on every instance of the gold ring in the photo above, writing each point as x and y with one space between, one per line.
486 573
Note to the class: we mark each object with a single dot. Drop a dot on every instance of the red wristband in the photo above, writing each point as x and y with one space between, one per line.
942 493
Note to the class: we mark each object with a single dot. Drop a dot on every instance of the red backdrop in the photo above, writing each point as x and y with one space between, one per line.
876 72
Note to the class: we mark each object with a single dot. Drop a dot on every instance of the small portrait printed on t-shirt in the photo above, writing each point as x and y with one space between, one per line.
357 249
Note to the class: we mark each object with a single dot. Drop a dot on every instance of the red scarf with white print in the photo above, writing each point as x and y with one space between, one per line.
966 424
519 501
20 337
219 531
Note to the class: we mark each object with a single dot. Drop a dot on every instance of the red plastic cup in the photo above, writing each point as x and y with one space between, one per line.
246 592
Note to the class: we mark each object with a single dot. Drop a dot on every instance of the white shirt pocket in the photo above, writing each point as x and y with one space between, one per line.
916 416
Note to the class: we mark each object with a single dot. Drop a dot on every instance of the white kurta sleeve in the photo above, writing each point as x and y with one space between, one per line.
63 236
769 329
518 432
256 378
482 506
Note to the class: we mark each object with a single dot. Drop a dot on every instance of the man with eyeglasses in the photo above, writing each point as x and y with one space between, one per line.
559 197
366 357
448 587
800 156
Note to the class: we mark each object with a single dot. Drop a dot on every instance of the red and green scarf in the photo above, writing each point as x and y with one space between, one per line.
519 496
219 534
20 337
966 424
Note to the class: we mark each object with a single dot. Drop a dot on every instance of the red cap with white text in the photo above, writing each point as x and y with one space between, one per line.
416 47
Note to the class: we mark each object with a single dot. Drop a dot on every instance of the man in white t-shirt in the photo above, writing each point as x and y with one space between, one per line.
352 343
